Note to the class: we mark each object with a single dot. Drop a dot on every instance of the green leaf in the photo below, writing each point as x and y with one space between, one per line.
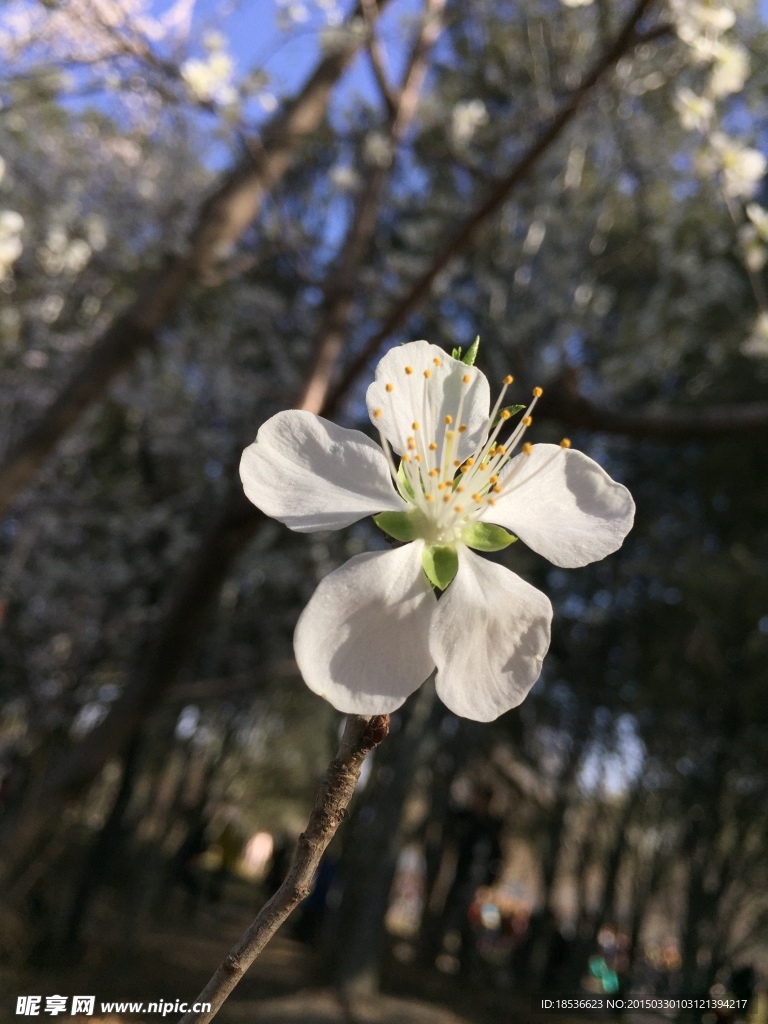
513 410
399 525
486 537
440 564
404 484
471 354
456 353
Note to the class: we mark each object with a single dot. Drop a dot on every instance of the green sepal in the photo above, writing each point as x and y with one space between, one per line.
486 537
470 355
398 525
456 353
513 410
441 563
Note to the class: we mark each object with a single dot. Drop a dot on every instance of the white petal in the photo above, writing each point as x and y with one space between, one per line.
489 636
563 505
427 401
361 642
314 475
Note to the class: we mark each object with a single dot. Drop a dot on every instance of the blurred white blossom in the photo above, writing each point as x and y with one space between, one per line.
11 247
696 112
377 150
466 118
741 167
576 3
344 178
730 70
759 218
210 80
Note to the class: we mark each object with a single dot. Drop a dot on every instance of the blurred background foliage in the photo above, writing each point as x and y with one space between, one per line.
149 702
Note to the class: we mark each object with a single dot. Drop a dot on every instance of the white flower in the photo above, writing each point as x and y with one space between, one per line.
466 118
759 218
11 246
211 79
742 168
576 3
374 630
730 69
695 112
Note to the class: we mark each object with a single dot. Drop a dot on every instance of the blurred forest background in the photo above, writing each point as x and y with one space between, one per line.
213 211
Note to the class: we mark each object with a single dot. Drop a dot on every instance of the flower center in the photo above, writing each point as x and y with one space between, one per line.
452 492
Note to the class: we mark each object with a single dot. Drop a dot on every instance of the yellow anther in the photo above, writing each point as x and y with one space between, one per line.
462 428
466 378
447 497
433 447
411 443
476 497
500 449
497 489
509 379
418 458
565 443
491 501
470 462
483 466
527 421
427 374
414 426
449 420
437 361
409 370
505 414
458 508
456 462
538 392
428 497
434 472
527 448
493 479
390 388
460 490
406 458
376 413
442 485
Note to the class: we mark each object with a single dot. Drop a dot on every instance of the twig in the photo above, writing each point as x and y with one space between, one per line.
361 735
342 283
378 58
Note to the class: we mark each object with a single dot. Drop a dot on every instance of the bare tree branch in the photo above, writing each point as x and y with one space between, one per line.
498 195
361 735
562 402
223 217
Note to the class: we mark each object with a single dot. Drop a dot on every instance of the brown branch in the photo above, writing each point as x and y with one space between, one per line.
361 735
465 236
563 403
378 57
222 219
342 283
